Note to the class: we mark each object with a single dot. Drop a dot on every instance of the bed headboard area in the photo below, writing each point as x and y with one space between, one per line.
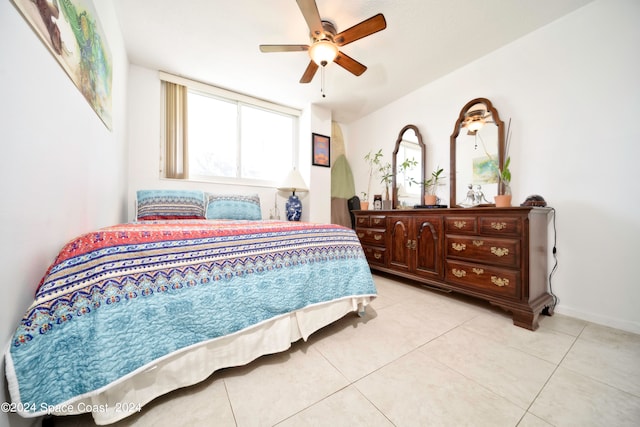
195 204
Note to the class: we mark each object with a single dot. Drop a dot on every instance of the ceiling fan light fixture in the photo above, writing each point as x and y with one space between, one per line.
323 52
475 120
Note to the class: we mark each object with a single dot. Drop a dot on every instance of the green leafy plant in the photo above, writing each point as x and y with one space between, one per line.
386 177
504 177
374 161
406 166
504 173
431 184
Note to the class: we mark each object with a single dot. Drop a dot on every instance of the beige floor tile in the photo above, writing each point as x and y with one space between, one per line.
358 348
274 387
419 391
448 309
530 420
346 408
194 406
607 355
572 399
395 290
506 371
562 323
544 343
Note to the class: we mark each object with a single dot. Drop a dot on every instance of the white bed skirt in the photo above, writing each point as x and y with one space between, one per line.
194 364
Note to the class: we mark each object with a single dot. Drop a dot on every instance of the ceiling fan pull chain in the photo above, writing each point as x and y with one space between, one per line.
322 82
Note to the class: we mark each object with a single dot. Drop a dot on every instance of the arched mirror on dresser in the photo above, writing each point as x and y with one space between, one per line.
405 181
477 146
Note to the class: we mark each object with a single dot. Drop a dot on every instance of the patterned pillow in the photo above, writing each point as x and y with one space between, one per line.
170 204
233 206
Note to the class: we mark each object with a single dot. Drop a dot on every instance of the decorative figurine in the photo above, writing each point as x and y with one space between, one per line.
478 196
470 200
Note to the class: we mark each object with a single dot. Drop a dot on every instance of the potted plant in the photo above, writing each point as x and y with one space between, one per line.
385 178
431 186
503 199
364 202
373 161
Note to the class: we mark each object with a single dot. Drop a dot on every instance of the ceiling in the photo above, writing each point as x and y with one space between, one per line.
216 42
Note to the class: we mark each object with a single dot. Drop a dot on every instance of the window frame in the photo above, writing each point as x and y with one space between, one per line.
239 99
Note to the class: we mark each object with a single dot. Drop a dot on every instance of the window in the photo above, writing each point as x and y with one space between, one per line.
225 136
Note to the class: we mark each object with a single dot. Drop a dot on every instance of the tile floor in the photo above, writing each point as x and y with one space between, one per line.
421 358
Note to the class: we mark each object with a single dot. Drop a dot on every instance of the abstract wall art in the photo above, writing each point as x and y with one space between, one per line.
71 31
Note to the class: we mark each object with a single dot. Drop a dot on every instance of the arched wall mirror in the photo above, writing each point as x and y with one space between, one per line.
477 146
406 181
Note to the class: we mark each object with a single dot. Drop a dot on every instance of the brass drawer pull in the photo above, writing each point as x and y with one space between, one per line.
458 246
377 221
411 244
459 224
458 273
499 281
378 237
478 243
498 225
478 271
360 235
377 255
361 220
499 252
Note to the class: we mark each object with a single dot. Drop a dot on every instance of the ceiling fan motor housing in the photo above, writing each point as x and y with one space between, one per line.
329 32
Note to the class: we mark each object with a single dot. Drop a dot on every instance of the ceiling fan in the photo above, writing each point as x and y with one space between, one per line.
476 118
326 41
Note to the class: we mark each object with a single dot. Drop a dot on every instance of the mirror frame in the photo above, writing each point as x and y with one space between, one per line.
456 131
423 149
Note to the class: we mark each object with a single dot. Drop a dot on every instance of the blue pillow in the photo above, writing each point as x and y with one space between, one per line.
233 206
170 204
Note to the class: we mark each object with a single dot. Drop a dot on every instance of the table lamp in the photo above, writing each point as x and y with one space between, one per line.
293 182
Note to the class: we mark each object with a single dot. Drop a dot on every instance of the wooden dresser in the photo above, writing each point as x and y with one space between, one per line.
497 254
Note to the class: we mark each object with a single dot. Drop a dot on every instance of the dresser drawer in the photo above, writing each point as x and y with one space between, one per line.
362 220
461 224
374 254
501 226
374 221
484 278
378 221
372 236
490 250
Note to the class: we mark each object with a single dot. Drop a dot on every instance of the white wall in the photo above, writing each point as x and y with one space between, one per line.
63 172
144 153
572 90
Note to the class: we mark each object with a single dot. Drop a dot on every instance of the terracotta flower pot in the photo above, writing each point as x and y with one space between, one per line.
503 200
364 206
430 199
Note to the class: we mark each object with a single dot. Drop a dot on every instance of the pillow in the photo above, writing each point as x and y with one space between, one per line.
233 206
170 204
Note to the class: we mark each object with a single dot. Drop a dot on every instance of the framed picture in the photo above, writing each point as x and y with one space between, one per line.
320 150
72 33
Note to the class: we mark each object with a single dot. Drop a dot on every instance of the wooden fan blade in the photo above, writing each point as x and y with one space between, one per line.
310 12
365 28
309 72
283 47
349 64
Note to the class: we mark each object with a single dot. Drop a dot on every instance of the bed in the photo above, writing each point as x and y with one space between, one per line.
132 311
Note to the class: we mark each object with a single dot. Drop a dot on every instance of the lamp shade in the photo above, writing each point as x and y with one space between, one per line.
293 182
323 52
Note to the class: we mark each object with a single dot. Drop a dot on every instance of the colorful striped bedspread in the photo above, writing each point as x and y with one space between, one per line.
119 298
